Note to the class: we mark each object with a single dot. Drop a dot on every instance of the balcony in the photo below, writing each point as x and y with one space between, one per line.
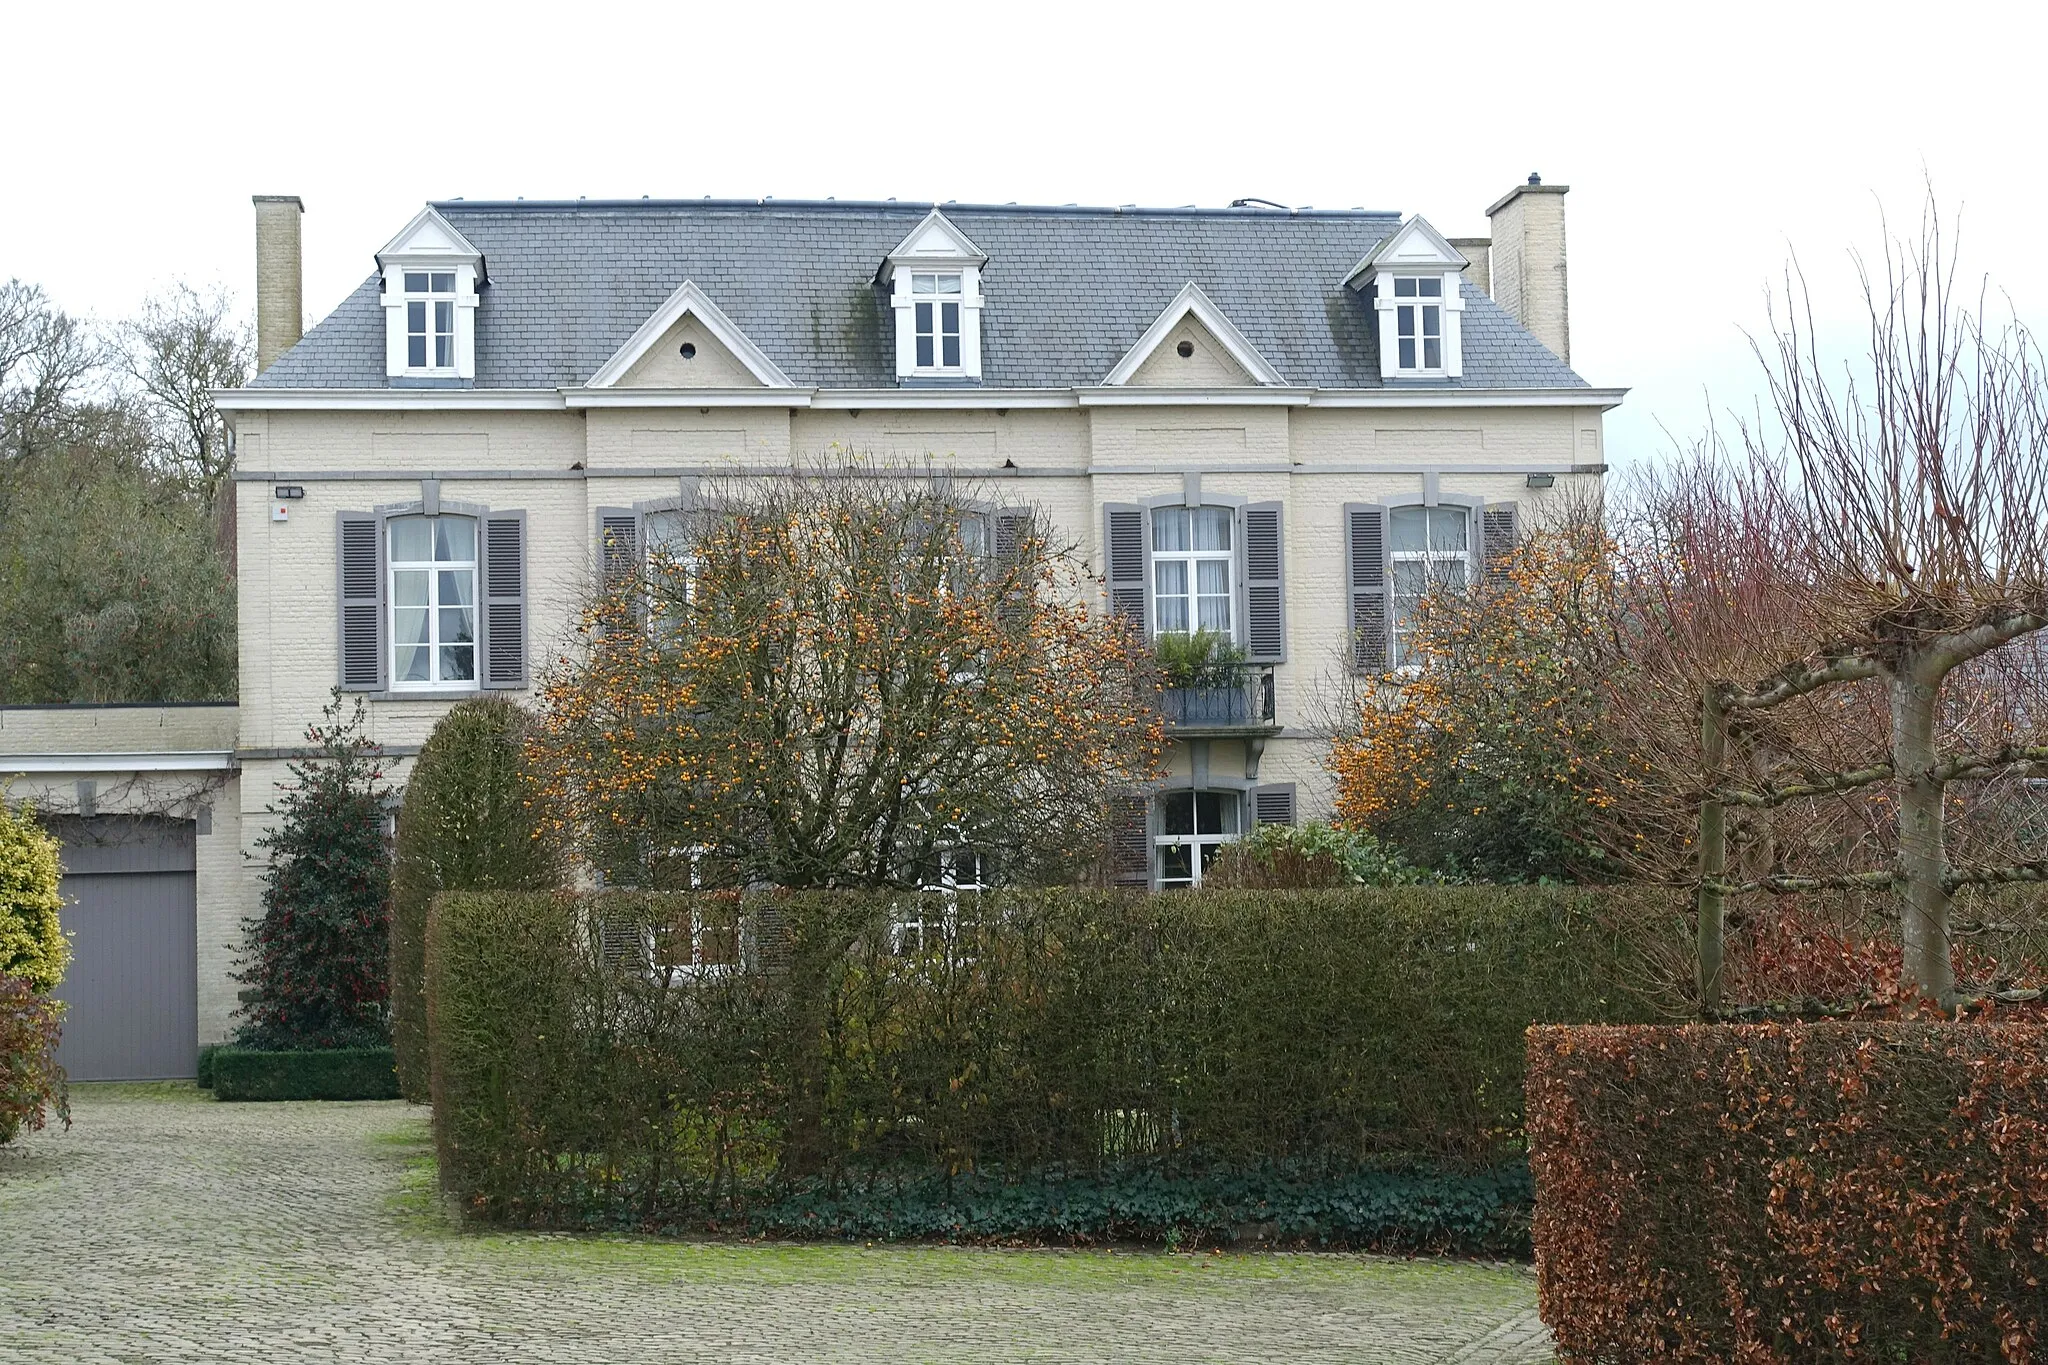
1243 706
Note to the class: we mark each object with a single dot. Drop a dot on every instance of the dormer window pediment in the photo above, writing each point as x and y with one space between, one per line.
1412 279
934 276
431 277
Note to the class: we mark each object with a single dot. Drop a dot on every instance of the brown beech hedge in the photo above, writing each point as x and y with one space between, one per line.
1851 1191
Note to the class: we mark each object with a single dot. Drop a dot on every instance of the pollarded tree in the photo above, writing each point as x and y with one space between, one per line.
1826 630
837 679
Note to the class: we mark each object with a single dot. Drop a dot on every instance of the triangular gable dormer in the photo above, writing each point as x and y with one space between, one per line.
1412 277
684 324
934 276
1215 330
431 275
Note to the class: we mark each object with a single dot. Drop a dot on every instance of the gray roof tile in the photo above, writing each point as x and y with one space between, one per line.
1068 291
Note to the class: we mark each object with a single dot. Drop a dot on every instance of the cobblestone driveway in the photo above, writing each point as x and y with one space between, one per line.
166 1227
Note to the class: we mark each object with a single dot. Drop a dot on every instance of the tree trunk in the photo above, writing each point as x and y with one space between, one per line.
1713 847
1924 900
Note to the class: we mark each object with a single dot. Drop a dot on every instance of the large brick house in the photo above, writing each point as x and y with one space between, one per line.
1274 423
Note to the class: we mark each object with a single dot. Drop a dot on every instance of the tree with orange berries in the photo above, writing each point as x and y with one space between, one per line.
1478 757
837 678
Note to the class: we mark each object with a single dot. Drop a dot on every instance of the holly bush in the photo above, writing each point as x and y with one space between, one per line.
319 956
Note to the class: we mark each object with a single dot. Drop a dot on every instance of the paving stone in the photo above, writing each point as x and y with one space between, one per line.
166 1227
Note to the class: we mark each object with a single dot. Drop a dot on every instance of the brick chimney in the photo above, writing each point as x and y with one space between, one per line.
1527 262
279 308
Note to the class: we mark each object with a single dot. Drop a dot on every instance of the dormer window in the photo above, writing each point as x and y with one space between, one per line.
1419 323
430 320
934 279
935 304
431 277
1412 278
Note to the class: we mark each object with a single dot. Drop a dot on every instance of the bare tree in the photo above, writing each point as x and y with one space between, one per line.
1813 622
46 357
180 348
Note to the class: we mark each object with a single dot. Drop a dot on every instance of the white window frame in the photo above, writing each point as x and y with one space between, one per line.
433 568
1413 312
697 967
436 305
960 869
936 297
685 561
1189 559
1401 606
1195 842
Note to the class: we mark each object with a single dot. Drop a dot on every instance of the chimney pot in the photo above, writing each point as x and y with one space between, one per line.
1535 179
280 308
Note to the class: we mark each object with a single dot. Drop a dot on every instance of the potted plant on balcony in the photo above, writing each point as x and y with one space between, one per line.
1203 676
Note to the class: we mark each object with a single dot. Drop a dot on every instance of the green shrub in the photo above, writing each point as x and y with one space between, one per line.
31 1082
359 1073
1202 658
319 956
471 822
1308 857
32 943
1057 1050
203 1078
1871 1191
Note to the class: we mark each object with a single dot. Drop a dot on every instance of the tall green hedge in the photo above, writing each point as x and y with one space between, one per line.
470 821
1063 1064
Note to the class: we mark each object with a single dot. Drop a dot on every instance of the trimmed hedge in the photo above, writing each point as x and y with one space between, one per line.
1344 1066
1769 1193
471 821
365 1073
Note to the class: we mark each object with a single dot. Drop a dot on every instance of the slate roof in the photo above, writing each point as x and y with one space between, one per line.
1067 291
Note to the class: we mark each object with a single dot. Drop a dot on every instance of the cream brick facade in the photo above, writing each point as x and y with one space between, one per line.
1067 461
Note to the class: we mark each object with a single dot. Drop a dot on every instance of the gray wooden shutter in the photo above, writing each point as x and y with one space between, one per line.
1130 839
622 943
1008 527
1365 576
1273 804
1126 554
1499 531
360 575
1265 589
619 548
504 599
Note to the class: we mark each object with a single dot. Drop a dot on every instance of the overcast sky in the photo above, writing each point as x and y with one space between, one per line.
1701 151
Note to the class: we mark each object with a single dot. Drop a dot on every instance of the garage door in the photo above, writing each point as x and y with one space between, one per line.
130 908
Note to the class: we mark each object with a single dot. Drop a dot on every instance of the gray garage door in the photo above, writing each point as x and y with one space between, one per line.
131 910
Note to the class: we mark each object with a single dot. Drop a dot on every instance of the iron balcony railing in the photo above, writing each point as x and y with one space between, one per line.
1244 704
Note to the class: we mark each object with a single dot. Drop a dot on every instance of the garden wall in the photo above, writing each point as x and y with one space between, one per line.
1814 1192
1340 1066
